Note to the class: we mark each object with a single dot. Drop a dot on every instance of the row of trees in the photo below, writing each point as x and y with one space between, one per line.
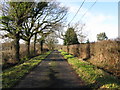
72 37
25 20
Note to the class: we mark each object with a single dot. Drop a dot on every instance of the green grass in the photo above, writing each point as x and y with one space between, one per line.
12 75
68 56
64 53
60 50
94 77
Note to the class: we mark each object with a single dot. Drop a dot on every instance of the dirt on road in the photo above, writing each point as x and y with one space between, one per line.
53 72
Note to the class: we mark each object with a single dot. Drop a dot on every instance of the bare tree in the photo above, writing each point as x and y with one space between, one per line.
53 15
79 29
51 41
44 18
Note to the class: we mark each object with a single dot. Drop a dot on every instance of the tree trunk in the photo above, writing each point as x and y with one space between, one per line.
88 50
35 44
41 46
28 48
17 47
68 48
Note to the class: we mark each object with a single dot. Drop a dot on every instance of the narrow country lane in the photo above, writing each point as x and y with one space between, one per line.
53 72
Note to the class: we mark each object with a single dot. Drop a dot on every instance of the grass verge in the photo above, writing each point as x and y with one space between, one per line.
12 75
94 77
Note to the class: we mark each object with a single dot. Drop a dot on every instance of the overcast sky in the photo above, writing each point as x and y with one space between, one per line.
102 17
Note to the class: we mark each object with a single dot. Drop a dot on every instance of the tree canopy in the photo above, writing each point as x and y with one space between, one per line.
102 36
70 37
14 14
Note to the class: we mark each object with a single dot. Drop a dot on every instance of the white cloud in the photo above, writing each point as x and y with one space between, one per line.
101 23
97 23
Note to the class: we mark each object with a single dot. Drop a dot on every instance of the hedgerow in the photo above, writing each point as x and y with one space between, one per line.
94 77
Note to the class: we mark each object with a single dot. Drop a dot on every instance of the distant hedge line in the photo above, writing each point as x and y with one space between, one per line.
104 54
